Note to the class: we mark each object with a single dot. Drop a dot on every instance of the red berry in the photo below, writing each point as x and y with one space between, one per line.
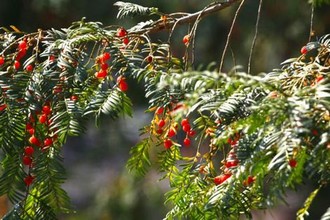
28 126
105 57
186 39
48 142
2 60
57 89
222 178
184 121
101 74
249 180
319 78
74 98
28 150
292 163
171 133
46 110
159 131
231 163
159 110
168 143
126 40
186 142
52 58
186 127
17 65
28 180
43 118
149 59
303 50
29 68
104 66
191 133
3 107
121 32
161 123
27 160
22 45
31 131
123 86
34 140
20 55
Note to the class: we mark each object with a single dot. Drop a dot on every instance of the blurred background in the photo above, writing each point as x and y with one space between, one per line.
98 182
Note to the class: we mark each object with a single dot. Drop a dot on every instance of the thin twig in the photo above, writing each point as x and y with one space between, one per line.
255 37
189 18
311 32
193 31
229 34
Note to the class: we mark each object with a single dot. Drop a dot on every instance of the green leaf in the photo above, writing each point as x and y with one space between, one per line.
304 210
139 161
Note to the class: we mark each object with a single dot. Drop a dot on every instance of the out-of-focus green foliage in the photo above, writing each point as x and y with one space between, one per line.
319 2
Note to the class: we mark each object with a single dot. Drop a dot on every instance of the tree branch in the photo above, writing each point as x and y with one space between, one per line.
171 19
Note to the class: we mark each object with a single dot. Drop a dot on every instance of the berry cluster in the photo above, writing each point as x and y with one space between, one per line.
231 162
102 61
122 33
21 51
42 123
169 129
122 84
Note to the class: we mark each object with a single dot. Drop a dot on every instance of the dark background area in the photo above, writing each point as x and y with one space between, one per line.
98 183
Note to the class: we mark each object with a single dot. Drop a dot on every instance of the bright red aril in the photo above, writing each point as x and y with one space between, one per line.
3 107
20 54
29 68
48 141
104 66
43 118
292 163
303 50
28 150
46 109
222 178
123 86
186 39
31 131
2 60
231 163
17 65
74 98
186 127
319 78
186 142
27 160
126 40
191 132
28 180
168 143
34 140
171 133
101 74
22 45
184 121
121 32
161 123
249 180
105 57
159 110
